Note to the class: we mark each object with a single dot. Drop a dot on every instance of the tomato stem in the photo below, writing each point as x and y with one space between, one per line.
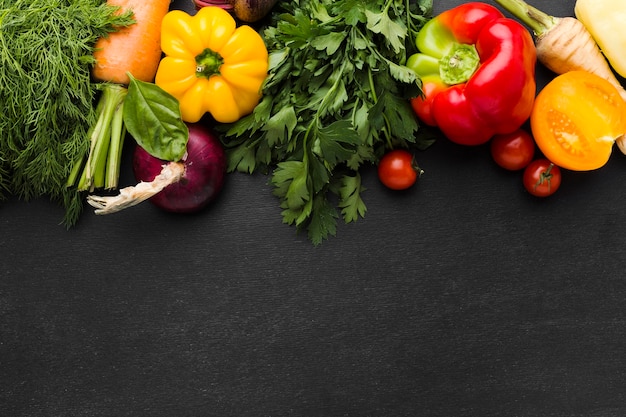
416 167
545 176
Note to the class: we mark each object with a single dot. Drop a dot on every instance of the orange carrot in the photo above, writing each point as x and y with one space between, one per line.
563 43
136 48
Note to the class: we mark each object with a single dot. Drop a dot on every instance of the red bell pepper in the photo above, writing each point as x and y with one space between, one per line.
478 73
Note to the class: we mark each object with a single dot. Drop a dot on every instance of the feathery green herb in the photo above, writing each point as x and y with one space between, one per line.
336 98
46 94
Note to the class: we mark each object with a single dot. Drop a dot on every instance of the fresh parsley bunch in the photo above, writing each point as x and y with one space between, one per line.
336 98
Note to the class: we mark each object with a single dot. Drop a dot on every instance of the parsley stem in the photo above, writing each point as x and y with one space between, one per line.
386 128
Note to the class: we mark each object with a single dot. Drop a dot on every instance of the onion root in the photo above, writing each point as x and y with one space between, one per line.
133 195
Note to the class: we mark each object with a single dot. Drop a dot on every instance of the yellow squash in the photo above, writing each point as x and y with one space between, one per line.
606 20
211 65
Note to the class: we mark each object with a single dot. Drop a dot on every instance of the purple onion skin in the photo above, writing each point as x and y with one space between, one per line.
205 172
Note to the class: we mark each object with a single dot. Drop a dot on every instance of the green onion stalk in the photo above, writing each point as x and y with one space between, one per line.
100 168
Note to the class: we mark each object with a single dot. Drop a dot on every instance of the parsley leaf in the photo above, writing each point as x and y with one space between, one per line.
335 142
394 32
290 179
350 201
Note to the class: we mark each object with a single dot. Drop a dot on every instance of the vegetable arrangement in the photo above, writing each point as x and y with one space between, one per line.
129 53
575 120
173 182
564 43
322 89
47 94
336 98
210 65
579 115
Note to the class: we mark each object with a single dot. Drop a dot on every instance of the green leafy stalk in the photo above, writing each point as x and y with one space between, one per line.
96 162
152 117
336 98
539 22
114 156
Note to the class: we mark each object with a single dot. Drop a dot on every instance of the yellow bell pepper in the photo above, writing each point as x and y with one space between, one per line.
210 65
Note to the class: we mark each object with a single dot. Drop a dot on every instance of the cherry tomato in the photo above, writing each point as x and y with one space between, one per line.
575 120
542 178
397 169
513 151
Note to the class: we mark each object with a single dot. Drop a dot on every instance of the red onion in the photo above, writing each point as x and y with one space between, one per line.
203 177
185 186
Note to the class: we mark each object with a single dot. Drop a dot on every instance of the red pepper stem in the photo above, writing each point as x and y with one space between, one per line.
538 21
459 64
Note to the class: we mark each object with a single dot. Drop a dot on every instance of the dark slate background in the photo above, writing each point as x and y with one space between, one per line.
464 296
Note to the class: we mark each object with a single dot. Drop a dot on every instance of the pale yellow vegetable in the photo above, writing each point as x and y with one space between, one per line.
563 43
606 21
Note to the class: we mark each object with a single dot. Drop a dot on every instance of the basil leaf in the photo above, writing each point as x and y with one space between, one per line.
152 117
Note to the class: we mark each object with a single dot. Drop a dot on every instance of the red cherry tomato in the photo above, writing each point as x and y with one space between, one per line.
397 169
513 151
542 178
